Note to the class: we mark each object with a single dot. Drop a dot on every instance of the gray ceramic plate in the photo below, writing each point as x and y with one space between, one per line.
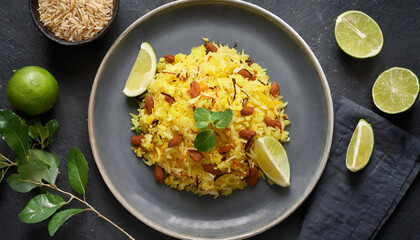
176 28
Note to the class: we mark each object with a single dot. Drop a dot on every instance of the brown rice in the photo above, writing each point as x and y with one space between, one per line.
75 20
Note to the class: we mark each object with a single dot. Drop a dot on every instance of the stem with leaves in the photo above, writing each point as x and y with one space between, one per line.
34 166
89 207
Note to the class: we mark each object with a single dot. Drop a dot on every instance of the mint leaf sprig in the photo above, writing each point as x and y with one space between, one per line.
39 168
206 121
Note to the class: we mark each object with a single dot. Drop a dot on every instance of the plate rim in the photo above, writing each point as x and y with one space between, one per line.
313 60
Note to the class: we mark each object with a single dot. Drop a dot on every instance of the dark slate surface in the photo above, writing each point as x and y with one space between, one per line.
21 44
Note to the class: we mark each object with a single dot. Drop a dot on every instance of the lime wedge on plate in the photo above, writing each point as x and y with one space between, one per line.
360 147
395 90
358 35
272 159
142 73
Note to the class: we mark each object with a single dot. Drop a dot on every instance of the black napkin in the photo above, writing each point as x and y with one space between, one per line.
347 205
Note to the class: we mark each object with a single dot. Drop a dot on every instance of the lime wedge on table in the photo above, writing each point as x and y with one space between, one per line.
358 35
142 73
360 147
272 159
395 90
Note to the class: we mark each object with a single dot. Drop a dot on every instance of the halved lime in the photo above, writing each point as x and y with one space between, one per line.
395 90
358 35
142 73
273 161
360 146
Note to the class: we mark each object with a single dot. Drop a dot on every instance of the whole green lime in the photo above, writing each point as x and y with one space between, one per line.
32 90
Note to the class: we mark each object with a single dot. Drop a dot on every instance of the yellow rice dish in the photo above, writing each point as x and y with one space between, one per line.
217 78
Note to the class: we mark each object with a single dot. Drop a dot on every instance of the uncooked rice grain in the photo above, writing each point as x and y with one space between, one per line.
75 20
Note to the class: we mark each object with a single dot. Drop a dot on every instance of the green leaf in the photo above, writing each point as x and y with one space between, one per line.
14 132
52 173
18 183
52 160
40 165
59 218
41 207
222 119
205 140
43 135
52 127
77 170
202 118
35 167
38 133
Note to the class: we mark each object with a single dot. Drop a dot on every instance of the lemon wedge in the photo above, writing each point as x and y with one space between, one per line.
360 146
142 73
273 161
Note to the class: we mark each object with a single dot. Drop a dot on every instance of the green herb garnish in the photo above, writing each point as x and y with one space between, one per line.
39 168
206 121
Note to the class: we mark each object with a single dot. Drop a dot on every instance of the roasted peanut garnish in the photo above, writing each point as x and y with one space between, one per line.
195 89
274 90
247 134
195 155
159 175
136 140
149 104
169 58
246 111
252 178
210 47
175 141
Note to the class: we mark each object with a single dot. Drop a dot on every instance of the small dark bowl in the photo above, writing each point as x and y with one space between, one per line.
33 9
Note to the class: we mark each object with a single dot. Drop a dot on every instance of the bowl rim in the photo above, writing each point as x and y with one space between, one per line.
313 60
49 34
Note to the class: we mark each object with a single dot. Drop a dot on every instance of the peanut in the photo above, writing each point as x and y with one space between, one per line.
149 104
246 111
247 134
252 178
169 58
252 78
211 168
169 99
175 140
274 90
136 140
210 47
195 155
159 175
195 89
225 149
244 73
272 123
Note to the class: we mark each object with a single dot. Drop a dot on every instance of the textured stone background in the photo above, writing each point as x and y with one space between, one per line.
21 44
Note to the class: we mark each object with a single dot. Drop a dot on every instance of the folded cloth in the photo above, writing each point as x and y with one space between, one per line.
355 205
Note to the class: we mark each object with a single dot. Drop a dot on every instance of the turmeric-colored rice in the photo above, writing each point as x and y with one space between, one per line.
221 88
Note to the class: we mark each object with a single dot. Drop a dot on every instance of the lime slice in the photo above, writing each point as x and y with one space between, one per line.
358 35
360 147
142 73
272 159
395 90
